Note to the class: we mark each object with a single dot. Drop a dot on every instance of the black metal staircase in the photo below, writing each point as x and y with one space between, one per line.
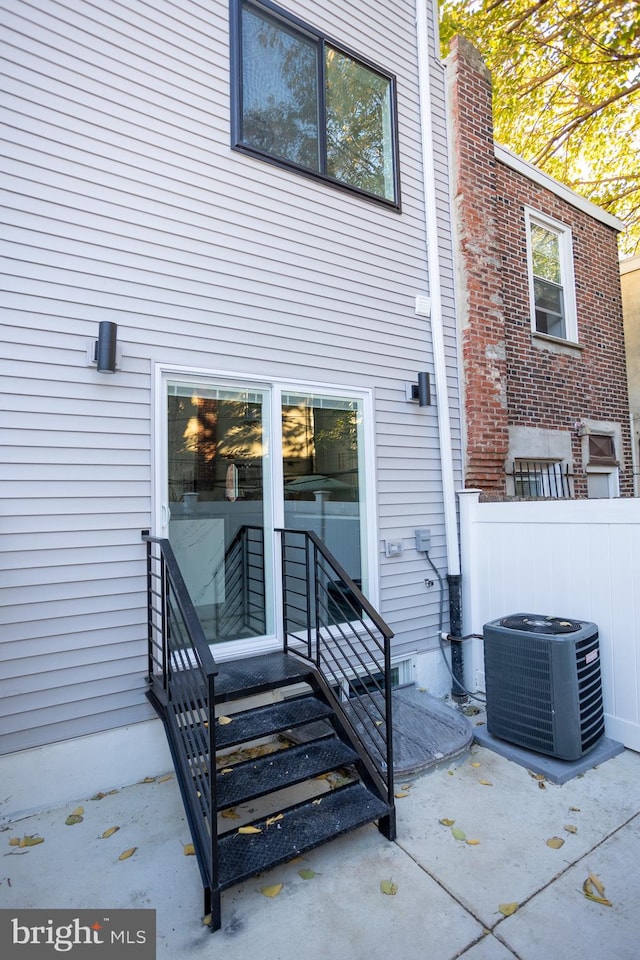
326 721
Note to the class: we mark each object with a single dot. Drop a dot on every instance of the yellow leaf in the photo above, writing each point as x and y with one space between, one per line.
570 828
507 909
317 801
458 834
77 812
73 818
587 889
223 721
446 823
127 853
401 794
272 820
167 776
14 841
148 780
450 773
473 843
555 842
537 776
406 786
206 921
307 874
597 883
249 830
389 888
31 841
485 783
476 764
272 891
230 814
189 850
227 770
109 833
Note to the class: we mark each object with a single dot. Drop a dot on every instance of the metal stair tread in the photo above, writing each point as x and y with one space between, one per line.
302 828
251 675
285 768
270 719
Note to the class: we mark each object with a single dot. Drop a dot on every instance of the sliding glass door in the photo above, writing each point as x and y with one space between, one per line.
242 461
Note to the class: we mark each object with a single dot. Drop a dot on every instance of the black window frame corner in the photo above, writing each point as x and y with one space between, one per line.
296 25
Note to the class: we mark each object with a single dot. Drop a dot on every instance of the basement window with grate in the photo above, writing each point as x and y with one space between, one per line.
536 479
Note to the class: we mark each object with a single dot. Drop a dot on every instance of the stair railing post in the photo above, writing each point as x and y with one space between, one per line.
316 600
164 614
214 874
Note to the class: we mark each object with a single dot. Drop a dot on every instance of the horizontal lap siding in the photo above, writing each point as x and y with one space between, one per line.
124 201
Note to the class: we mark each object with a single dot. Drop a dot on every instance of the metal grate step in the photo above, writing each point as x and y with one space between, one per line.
275 771
302 828
270 719
244 678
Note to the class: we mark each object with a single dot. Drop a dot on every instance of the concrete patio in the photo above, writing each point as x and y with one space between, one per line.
449 891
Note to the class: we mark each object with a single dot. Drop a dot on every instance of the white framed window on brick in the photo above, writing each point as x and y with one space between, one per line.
551 277
302 101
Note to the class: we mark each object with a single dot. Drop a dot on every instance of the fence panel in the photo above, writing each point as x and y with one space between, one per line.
564 558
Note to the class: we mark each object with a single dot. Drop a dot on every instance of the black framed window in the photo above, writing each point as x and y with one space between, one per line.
304 102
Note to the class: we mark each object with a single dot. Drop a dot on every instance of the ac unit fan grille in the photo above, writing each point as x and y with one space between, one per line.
522 695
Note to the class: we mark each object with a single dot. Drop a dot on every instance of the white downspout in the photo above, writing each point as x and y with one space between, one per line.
435 291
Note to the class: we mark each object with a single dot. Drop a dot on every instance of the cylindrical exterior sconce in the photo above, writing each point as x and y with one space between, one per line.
106 346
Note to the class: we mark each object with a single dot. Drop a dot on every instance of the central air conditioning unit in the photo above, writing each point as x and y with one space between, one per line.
543 684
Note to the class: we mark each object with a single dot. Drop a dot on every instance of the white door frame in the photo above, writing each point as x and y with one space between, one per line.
275 386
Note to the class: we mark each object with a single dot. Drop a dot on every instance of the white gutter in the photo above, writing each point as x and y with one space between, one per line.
433 262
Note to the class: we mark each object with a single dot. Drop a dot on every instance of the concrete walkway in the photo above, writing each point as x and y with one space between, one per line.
449 892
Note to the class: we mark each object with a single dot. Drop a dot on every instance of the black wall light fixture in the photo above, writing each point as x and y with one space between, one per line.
420 391
106 346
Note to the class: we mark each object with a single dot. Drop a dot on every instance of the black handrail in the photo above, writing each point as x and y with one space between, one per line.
182 672
329 621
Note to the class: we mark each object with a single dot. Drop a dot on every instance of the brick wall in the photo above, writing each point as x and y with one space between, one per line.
513 378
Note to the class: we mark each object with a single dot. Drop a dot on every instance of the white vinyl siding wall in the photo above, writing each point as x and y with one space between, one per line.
123 201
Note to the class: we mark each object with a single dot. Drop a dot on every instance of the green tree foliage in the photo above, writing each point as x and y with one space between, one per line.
566 77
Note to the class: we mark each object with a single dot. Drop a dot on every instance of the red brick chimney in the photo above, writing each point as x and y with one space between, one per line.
478 265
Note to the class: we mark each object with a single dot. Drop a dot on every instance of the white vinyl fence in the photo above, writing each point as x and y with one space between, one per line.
564 558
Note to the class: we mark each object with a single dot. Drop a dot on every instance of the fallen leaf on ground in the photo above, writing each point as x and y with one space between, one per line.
541 785
389 888
167 776
148 780
555 842
400 794
485 783
73 818
230 814
473 843
109 833
272 891
507 909
223 721
574 809
406 786
101 795
475 764
206 921
589 888
458 834
127 853
272 820
189 850
570 828
446 823
317 801
30 841
14 841
227 770
307 874
536 776
249 830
